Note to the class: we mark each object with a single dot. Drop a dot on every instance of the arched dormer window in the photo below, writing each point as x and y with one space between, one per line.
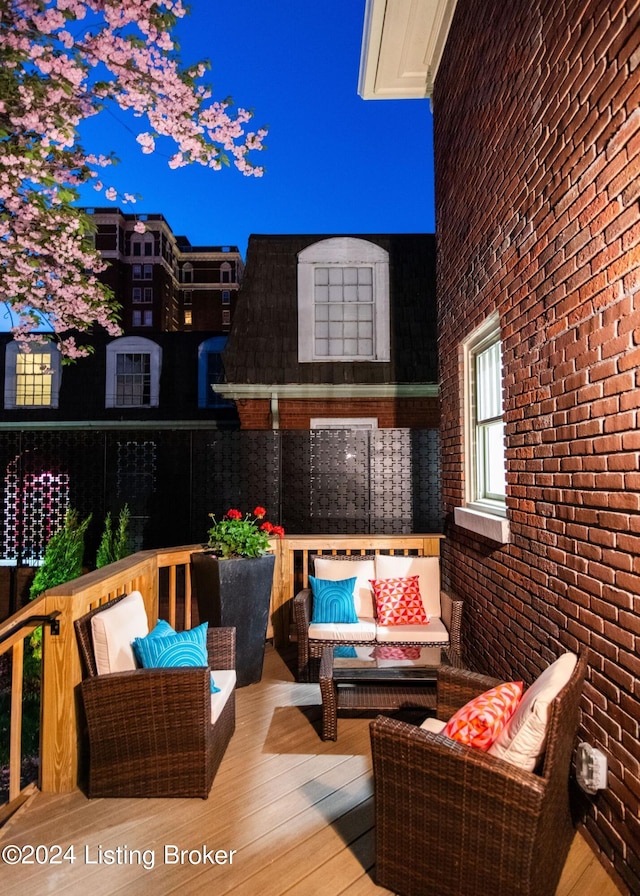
211 372
133 373
187 272
343 301
32 379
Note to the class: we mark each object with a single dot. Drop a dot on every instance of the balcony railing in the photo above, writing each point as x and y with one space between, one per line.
163 577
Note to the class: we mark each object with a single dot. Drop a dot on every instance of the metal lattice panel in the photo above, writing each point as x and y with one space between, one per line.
323 481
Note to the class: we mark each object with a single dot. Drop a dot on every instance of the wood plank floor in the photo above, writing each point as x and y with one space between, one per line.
296 811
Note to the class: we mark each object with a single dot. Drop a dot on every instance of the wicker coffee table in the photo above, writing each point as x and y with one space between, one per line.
377 678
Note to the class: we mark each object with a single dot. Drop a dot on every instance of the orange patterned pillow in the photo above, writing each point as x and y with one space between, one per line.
398 601
482 719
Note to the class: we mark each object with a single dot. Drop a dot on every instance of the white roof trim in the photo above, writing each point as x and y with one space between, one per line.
238 391
402 44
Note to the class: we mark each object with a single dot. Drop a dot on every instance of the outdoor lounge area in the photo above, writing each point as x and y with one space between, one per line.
297 810
288 811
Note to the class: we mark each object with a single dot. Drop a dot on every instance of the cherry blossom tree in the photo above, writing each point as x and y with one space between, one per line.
62 61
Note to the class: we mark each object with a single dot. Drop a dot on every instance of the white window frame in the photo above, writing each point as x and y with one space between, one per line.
132 345
12 353
343 252
484 511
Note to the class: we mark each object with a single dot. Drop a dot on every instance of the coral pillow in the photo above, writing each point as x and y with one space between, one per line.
482 719
398 601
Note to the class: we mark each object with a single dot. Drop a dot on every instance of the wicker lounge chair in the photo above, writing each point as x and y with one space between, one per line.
150 731
454 820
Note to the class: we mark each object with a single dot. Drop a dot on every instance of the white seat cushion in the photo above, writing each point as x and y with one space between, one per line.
113 631
335 569
363 630
433 633
522 742
436 726
225 679
426 568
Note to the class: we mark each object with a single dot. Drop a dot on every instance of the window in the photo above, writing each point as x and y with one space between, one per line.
211 373
147 272
188 318
137 272
485 498
133 372
142 318
187 273
141 295
188 297
226 318
226 297
225 272
32 379
343 301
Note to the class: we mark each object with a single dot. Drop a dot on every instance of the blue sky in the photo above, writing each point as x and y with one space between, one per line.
334 162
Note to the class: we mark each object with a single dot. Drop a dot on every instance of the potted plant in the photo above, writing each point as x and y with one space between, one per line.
232 581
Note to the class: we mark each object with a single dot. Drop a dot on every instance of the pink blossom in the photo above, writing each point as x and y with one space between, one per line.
47 265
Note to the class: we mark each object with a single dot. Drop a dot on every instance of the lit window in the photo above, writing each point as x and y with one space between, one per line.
32 378
188 318
485 460
343 301
133 372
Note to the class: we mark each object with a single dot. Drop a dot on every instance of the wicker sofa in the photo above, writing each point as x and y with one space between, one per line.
456 820
445 612
156 732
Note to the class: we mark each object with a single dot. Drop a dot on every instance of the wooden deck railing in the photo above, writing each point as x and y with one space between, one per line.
162 576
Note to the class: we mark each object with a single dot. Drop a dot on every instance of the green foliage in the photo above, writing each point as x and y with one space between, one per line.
62 562
63 555
115 543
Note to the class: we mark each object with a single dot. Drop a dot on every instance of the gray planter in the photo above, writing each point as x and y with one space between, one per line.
236 592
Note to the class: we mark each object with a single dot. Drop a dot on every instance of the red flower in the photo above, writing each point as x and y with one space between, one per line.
233 515
259 512
278 530
266 527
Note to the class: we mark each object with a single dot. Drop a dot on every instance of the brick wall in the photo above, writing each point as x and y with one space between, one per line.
409 413
537 149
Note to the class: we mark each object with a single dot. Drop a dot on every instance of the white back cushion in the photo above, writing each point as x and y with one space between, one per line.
523 740
113 631
426 568
335 570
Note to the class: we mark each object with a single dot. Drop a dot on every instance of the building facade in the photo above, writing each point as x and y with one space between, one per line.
537 170
335 331
162 282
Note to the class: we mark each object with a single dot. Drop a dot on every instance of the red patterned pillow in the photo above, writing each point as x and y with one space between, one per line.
395 652
482 719
398 601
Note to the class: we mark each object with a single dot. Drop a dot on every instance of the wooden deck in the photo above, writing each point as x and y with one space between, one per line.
296 810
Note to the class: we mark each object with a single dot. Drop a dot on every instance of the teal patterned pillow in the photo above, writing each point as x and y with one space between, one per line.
333 601
165 649
161 630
